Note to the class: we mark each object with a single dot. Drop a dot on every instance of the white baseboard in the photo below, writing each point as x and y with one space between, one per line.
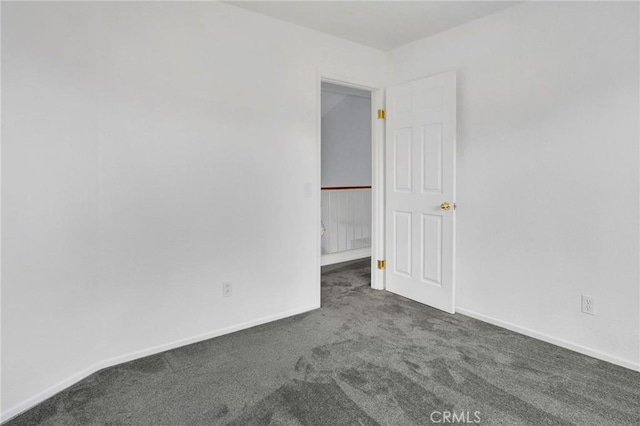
553 340
345 256
23 406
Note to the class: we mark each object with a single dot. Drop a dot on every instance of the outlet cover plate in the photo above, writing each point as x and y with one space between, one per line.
227 289
588 305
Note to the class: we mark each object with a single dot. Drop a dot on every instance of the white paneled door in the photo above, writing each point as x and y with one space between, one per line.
420 190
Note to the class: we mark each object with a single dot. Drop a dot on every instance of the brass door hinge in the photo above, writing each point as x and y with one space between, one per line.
382 264
382 114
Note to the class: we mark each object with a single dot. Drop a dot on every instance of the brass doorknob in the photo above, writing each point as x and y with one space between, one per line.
445 206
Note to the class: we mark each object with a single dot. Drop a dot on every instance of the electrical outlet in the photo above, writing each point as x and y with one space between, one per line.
588 305
227 288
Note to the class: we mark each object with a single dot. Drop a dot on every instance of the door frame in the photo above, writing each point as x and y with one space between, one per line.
377 174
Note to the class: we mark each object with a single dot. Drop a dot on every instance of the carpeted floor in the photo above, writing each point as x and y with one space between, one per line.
366 357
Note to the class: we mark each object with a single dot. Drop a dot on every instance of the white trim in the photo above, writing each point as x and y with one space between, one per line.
9 413
345 256
347 81
377 172
318 216
553 340
377 192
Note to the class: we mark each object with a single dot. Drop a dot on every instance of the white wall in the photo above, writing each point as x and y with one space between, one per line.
346 143
152 151
548 189
50 208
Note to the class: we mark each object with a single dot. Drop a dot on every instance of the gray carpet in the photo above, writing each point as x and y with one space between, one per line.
366 357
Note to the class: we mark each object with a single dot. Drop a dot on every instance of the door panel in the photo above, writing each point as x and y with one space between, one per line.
420 170
402 159
432 249
402 242
432 159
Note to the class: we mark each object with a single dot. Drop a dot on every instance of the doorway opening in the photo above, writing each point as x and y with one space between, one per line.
357 243
346 173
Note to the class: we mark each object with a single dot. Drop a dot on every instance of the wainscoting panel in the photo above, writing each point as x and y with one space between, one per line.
346 214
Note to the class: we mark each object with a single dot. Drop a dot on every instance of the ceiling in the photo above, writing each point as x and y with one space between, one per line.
382 25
